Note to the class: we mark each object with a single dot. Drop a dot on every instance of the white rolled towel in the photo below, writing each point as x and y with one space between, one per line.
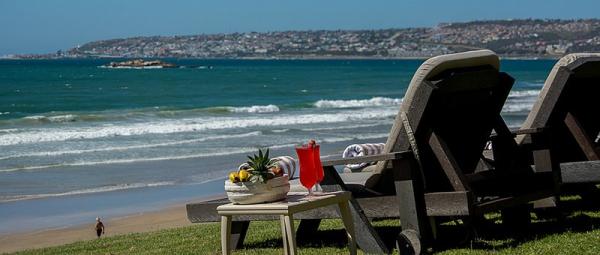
243 166
286 163
357 150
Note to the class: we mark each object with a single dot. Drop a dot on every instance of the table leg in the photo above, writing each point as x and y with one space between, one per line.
286 249
291 234
226 234
347 219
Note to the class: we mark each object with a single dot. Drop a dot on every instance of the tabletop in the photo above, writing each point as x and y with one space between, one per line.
295 202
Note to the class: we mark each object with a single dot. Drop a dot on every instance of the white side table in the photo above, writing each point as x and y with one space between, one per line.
295 202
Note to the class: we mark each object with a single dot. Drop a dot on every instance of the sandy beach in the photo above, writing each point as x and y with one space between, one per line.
171 217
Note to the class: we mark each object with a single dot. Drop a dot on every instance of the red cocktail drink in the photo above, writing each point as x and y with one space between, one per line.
308 175
311 169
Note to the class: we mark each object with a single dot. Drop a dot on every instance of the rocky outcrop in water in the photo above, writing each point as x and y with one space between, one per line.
140 63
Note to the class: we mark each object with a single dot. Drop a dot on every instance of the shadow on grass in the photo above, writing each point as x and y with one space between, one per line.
335 238
322 238
490 235
573 216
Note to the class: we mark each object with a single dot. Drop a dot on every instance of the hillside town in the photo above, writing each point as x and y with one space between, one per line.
530 38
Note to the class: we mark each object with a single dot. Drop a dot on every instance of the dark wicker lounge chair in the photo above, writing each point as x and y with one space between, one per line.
567 108
433 154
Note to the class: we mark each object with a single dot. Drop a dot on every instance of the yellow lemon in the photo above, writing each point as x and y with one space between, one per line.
244 175
233 177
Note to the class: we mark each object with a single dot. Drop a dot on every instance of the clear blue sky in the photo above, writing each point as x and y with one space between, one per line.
41 26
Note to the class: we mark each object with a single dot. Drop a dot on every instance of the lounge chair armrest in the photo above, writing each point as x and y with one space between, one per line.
528 131
369 158
535 138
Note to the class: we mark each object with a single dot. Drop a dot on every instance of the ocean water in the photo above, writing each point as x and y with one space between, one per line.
77 140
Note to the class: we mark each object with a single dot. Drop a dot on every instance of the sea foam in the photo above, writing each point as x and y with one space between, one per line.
255 109
221 152
136 114
376 101
155 127
357 137
131 160
87 191
523 93
520 101
42 119
131 147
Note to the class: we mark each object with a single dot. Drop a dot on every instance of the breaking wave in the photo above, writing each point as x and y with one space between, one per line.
186 125
122 148
61 118
520 101
132 160
86 191
376 101
255 109
524 93
136 113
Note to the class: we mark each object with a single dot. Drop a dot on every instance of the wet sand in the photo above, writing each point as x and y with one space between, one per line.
171 217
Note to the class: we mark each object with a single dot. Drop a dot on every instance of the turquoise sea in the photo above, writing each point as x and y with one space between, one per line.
78 141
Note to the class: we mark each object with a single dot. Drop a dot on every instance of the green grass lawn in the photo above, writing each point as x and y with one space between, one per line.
577 233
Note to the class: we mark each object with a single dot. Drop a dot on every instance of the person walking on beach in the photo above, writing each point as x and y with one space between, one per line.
99 227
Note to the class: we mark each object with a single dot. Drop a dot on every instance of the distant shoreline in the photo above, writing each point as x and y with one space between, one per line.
514 38
548 57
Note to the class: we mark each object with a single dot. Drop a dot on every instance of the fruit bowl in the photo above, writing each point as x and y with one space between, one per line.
257 192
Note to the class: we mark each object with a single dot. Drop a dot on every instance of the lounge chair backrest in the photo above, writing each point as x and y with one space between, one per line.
458 97
572 87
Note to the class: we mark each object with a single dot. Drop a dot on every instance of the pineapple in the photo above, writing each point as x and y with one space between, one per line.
259 167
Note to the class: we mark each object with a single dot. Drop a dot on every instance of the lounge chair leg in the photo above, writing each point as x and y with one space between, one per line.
238 233
517 218
589 193
408 242
548 202
349 225
367 238
413 214
473 224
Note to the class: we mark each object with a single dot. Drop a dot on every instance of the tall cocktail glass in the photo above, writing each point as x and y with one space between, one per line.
308 173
